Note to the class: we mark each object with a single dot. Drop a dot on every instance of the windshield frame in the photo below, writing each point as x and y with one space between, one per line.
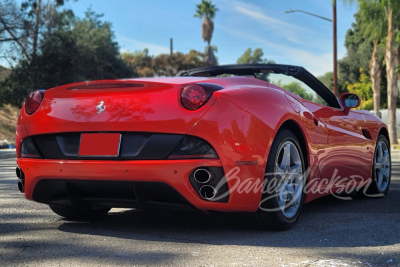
251 69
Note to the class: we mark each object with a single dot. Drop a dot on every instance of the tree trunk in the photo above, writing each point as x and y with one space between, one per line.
397 51
36 28
15 39
209 56
391 78
207 29
375 69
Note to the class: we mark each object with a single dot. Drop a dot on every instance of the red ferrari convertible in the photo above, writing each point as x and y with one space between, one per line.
226 138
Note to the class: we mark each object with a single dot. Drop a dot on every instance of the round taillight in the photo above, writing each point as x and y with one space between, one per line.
33 101
193 96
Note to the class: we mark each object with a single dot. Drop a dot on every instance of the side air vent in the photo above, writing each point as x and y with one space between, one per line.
366 134
104 86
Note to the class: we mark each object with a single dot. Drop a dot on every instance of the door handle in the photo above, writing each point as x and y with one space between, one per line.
308 115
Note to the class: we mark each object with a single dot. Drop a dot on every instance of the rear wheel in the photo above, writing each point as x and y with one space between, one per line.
283 194
79 213
381 170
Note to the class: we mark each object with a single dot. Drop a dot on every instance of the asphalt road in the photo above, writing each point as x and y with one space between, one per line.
331 232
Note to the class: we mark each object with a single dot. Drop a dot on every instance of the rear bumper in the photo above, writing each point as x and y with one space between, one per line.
236 136
174 174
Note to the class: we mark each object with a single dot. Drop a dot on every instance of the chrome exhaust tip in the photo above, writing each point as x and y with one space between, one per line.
21 187
207 192
20 173
202 176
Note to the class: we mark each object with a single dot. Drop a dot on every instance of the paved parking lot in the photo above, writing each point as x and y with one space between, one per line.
331 232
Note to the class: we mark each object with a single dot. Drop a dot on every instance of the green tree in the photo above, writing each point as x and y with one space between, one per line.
73 50
391 15
327 80
391 9
206 10
296 89
363 88
374 30
145 65
4 72
253 57
140 62
22 28
170 65
83 48
372 23
360 47
359 50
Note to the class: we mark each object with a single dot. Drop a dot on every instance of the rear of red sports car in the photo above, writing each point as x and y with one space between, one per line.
209 143
143 143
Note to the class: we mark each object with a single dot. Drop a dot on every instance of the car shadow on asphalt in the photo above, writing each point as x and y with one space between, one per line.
328 223
325 222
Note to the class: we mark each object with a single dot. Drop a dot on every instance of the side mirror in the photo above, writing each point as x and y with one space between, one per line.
349 100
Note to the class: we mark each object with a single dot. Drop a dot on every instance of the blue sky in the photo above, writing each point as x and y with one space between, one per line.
293 38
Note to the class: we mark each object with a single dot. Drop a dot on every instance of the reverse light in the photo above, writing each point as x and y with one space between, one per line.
28 149
33 101
193 148
194 96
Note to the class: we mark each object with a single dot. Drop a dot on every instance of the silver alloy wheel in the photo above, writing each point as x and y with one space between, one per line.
382 166
288 167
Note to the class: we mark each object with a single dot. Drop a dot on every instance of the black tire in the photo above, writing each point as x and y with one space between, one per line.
373 190
79 213
269 216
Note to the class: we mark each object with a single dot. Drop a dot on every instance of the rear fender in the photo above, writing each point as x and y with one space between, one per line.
20 133
241 137
241 141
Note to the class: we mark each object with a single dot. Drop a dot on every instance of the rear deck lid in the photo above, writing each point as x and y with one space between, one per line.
143 105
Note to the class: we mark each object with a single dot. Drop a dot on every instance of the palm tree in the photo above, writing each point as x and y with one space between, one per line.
206 10
391 15
374 29
391 10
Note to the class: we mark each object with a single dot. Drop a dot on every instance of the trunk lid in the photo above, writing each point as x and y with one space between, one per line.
138 105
